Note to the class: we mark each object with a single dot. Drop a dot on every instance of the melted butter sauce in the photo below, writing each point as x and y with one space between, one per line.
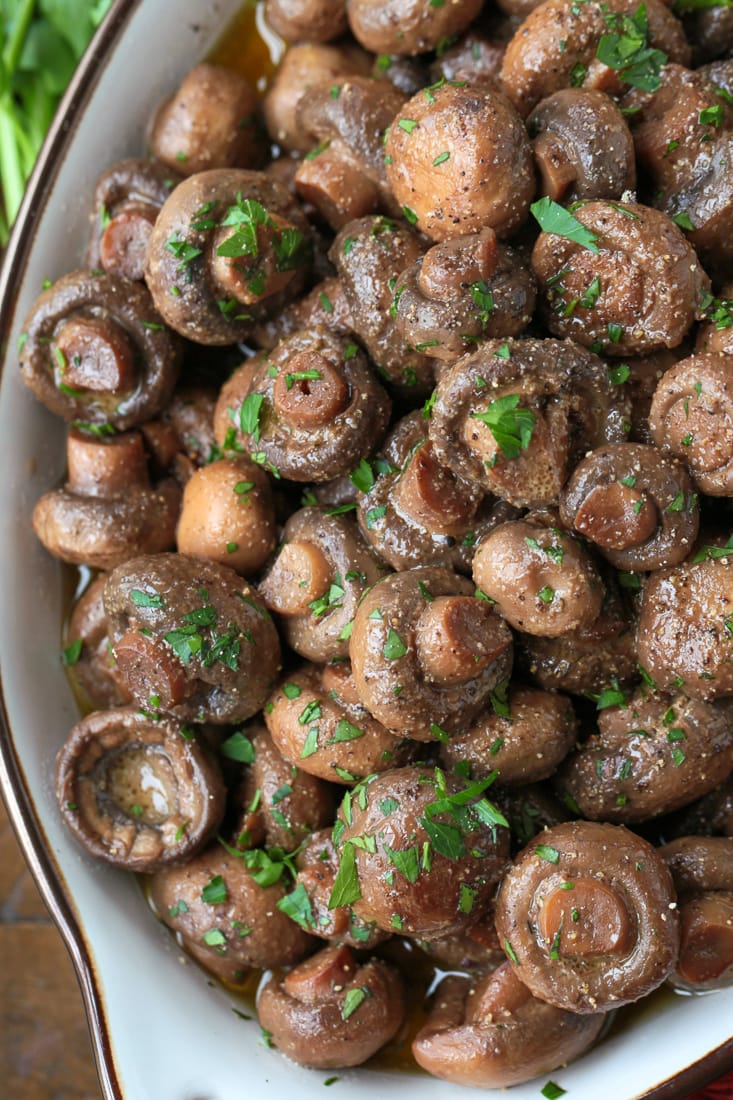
249 47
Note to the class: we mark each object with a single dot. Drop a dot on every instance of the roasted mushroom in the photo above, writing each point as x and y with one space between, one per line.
460 159
307 20
88 654
127 199
408 26
426 653
331 1011
315 583
626 280
209 122
588 917
702 869
493 1033
107 511
137 793
191 638
94 350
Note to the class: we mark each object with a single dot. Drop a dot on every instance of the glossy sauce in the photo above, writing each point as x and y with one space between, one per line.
249 47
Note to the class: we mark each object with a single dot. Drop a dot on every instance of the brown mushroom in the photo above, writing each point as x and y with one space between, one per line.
542 580
558 46
417 511
692 416
228 248
192 635
626 281
94 350
653 753
493 1033
463 291
476 58
276 801
316 581
426 653
460 159
685 636
310 410
331 1011
227 914
318 724
420 852
582 146
343 177
514 416
227 515
634 504
702 869
209 122
588 917
370 254
135 792
107 511
127 199
325 306
524 735
88 654
306 20
408 26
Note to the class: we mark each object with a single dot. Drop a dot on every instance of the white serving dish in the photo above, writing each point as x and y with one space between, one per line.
161 1030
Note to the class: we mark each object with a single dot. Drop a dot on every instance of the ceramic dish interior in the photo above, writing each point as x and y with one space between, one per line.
162 1030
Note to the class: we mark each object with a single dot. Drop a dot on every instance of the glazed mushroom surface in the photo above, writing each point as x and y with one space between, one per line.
400 455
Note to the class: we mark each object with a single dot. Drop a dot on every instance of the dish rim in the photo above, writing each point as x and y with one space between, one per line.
22 812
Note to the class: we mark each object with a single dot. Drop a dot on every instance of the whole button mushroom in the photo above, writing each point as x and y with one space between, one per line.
343 177
542 580
228 248
417 511
408 26
107 511
227 515
303 66
420 852
209 122
515 416
370 254
317 863
524 735
306 20
591 658
692 417
582 146
137 793
562 44
278 802
619 275
332 1011
475 58
312 409
426 653
315 583
685 638
227 913
653 753
636 505
88 653
127 199
94 349
318 724
493 1033
191 638
461 292
702 869
588 917
459 159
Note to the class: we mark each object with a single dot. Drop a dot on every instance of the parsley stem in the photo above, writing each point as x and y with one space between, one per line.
16 41
12 179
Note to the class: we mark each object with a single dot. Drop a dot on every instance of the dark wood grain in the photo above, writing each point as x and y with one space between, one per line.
45 1053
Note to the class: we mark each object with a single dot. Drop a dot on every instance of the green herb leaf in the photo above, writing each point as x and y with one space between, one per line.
215 891
346 888
509 423
554 218
239 748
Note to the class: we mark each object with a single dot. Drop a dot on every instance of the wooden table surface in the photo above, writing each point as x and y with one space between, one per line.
45 1053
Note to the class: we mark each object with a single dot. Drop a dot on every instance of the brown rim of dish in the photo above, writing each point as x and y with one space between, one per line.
12 782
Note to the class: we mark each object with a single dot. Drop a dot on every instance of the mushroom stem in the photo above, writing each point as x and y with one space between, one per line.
124 241
557 171
449 267
431 494
456 637
94 354
105 467
591 919
337 186
150 670
310 392
322 975
300 574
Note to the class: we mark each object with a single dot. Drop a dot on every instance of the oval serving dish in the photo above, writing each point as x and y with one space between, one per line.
161 1029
